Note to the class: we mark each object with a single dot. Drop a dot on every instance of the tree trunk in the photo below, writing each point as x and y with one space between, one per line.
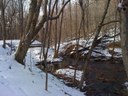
3 22
32 28
29 30
22 50
21 17
93 44
124 37
24 45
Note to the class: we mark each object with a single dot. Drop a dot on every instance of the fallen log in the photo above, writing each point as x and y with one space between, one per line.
35 45
51 65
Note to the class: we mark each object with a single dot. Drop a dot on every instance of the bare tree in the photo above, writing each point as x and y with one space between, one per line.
124 32
58 29
2 2
84 6
33 27
46 45
56 32
93 43
21 17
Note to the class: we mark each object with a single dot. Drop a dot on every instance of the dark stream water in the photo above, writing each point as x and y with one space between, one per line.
104 77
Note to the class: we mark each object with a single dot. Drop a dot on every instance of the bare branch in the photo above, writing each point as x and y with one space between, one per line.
114 21
61 10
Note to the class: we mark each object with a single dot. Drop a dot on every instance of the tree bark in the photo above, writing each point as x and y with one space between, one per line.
21 17
3 22
124 37
29 30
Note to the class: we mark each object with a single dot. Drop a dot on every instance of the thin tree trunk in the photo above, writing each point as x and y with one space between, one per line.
77 43
21 18
115 30
93 43
70 15
60 31
87 18
47 42
3 23
56 33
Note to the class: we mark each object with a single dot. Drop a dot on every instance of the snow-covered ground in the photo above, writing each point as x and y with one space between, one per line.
28 80
17 80
70 73
101 50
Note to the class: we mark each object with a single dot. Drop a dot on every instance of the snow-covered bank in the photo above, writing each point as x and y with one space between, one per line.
17 80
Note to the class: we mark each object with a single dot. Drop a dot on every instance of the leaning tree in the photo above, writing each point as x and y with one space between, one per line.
98 30
33 26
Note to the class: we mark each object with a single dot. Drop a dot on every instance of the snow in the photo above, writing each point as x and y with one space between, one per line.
120 5
116 49
28 80
18 80
70 73
126 84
